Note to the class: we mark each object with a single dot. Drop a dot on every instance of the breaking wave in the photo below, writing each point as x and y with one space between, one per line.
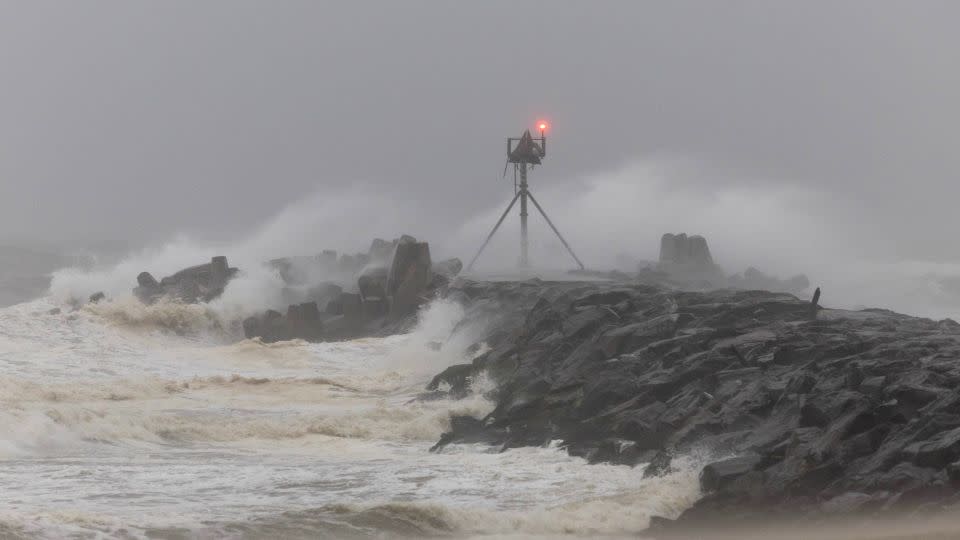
166 315
218 410
331 433
586 501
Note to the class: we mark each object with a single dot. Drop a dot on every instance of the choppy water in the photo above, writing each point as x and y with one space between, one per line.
119 420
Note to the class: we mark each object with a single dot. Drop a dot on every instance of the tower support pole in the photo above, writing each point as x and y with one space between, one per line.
560 236
524 257
494 231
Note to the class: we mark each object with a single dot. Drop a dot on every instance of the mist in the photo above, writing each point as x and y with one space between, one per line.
386 390
809 138
608 217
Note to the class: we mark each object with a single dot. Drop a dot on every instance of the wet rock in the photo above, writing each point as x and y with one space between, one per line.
619 452
847 413
304 322
659 465
323 293
409 277
936 452
148 289
334 306
718 475
455 378
643 426
449 268
851 503
219 273
268 326
97 297
753 279
373 282
200 283
301 321
444 272
373 308
352 306
468 428
873 386
145 279
684 250
953 472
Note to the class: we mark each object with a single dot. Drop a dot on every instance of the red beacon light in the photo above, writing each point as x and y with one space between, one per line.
542 126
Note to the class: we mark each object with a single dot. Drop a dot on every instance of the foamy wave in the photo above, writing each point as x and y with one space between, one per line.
14 391
628 511
18 392
217 410
172 316
58 427
56 525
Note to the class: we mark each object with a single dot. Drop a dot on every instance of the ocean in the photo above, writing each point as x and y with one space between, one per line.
120 420
128 421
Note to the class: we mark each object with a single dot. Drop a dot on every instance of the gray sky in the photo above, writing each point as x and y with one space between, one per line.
134 121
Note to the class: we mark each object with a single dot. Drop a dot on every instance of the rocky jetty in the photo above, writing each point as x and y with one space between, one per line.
681 250
802 411
685 262
381 292
754 279
329 296
200 283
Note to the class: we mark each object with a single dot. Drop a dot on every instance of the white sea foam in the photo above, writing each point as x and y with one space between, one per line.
161 408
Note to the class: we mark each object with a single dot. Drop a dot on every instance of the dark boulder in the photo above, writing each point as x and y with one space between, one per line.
352 306
659 465
268 326
334 307
200 283
684 250
304 322
409 277
220 273
936 452
323 293
373 282
448 268
444 272
374 308
456 378
718 475
145 279
148 289
753 279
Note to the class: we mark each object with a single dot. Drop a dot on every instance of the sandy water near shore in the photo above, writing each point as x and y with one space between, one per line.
125 421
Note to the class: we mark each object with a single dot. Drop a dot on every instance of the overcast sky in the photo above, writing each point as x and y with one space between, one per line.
134 121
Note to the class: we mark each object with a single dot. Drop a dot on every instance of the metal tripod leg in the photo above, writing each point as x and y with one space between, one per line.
560 236
494 231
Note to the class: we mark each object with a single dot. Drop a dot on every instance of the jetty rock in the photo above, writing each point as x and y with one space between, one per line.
377 293
685 262
850 412
754 279
200 283
679 249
